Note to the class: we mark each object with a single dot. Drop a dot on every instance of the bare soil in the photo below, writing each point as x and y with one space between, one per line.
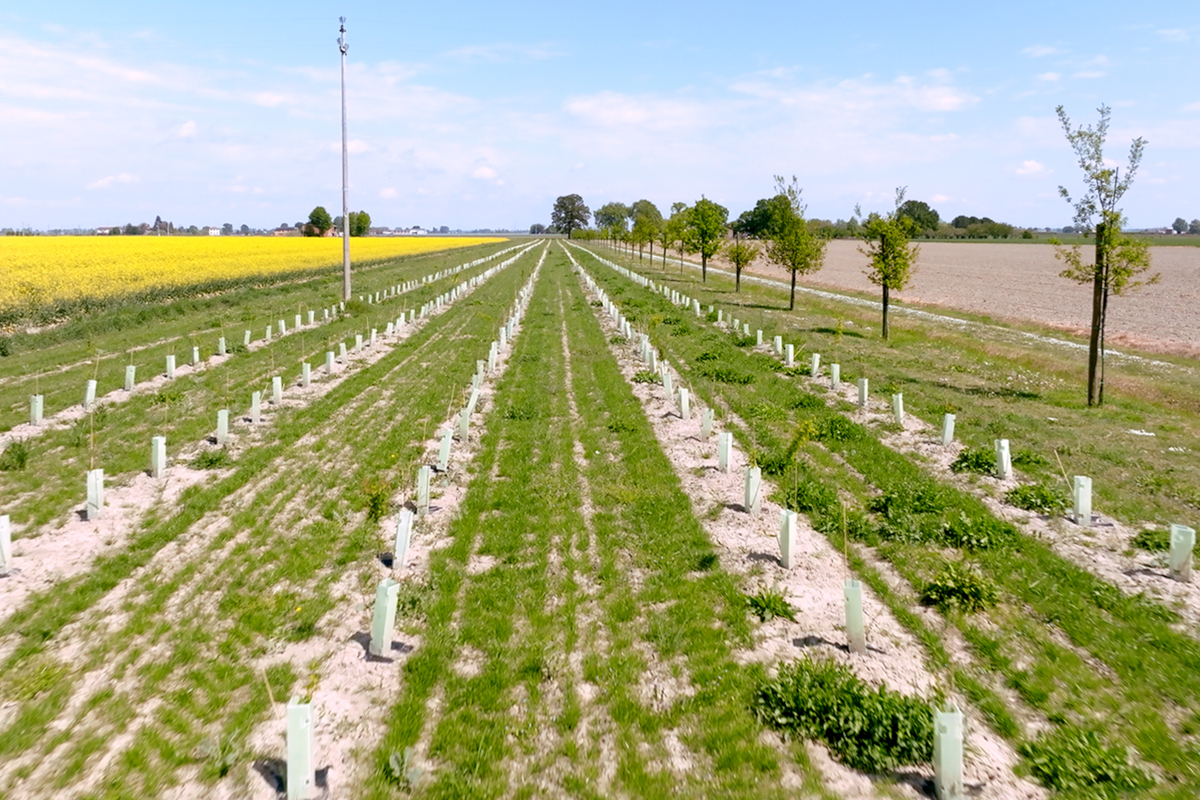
1021 283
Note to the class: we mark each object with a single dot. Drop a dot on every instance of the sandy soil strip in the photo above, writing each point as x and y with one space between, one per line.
747 545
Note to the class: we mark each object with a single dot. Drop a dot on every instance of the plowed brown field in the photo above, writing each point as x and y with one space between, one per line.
1019 282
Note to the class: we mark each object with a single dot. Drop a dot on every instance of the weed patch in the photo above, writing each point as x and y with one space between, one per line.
1076 763
767 604
960 586
1036 497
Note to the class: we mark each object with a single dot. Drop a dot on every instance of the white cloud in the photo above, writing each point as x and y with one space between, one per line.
112 180
1030 167
1040 50
484 173
389 193
504 52
1049 77
186 130
1174 34
940 198
1088 74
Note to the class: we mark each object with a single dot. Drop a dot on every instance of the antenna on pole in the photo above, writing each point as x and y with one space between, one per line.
343 47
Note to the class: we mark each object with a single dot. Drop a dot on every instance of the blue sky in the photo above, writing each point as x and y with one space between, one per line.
478 114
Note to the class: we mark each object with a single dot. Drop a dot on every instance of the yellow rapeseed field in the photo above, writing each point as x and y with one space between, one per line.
42 269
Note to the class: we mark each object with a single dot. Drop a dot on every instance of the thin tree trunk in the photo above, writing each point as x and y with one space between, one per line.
885 310
1094 394
738 283
792 304
703 267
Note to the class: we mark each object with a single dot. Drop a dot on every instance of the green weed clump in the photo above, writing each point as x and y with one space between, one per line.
377 497
723 374
646 376
962 586
974 459
767 604
977 533
1076 763
872 730
212 459
1154 540
15 457
1037 498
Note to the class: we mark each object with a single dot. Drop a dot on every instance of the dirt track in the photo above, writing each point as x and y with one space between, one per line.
1019 282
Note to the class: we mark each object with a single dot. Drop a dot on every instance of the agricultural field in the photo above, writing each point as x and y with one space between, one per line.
535 520
1020 283
49 275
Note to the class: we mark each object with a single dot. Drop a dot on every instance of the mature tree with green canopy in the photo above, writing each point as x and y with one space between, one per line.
892 258
705 231
319 222
612 215
1180 225
919 212
755 222
740 254
790 243
570 213
360 223
1118 258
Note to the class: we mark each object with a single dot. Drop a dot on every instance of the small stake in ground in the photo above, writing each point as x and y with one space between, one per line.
222 427
1183 540
267 334
342 351
158 456
305 374
745 329
89 394
297 325
948 753
835 376
246 339
300 775
653 360
787 538
1003 460
724 446
947 430
864 388
36 407
358 342
753 497
790 360
816 365
1083 500
282 328
473 401
666 379
898 408
404 527
706 423
329 362
130 377
6 557
277 390
464 424
855 631
195 356
758 337
720 315
444 450
778 345
170 367
95 494
685 409
423 490
256 408
221 346
383 621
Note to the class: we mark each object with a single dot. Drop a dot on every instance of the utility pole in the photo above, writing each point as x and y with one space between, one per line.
345 174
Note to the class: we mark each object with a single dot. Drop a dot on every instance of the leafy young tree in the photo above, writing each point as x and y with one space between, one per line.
319 222
756 222
1118 259
892 258
1194 226
679 224
570 213
647 220
705 231
740 255
790 243
537 228
1180 225
360 223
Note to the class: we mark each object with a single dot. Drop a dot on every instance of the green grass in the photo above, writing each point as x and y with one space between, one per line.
1086 651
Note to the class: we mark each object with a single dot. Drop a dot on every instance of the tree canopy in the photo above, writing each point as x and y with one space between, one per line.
925 218
319 222
612 217
705 231
570 213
